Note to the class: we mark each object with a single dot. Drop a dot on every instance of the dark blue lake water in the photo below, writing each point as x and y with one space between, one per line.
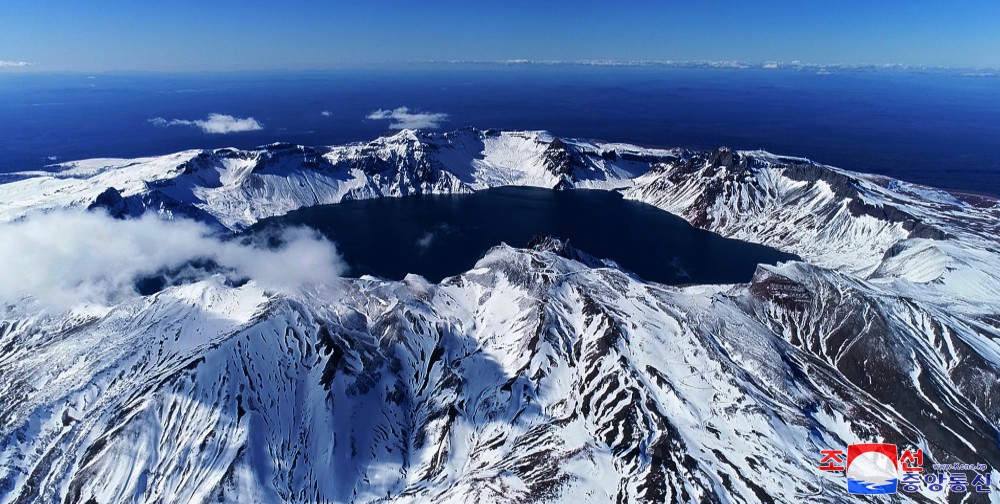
934 128
440 235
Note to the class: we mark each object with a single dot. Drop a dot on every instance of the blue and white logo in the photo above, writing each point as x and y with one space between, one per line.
872 469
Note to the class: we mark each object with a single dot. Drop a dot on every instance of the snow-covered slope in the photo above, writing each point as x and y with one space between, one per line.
236 188
542 374
531 376
898 235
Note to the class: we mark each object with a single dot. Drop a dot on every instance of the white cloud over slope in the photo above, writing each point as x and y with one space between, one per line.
65 258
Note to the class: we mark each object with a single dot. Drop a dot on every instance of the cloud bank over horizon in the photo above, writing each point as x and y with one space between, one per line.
403 118
15 64
66 258
216 124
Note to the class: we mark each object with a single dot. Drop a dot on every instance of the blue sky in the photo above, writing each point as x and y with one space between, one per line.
173 35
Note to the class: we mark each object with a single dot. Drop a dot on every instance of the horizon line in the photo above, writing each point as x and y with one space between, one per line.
721 64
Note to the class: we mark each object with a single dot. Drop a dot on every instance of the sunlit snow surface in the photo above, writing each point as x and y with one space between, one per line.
531 377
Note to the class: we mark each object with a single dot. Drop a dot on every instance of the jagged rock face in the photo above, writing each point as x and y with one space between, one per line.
237 188
900 351
821 213
542 374
531 377
112 202
563 248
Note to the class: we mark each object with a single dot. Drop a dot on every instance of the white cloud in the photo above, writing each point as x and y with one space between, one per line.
429 237
65 258
214 123
402 118
14 64
326 113
425 241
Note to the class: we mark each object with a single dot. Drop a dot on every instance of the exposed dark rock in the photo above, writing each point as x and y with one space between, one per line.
112 202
